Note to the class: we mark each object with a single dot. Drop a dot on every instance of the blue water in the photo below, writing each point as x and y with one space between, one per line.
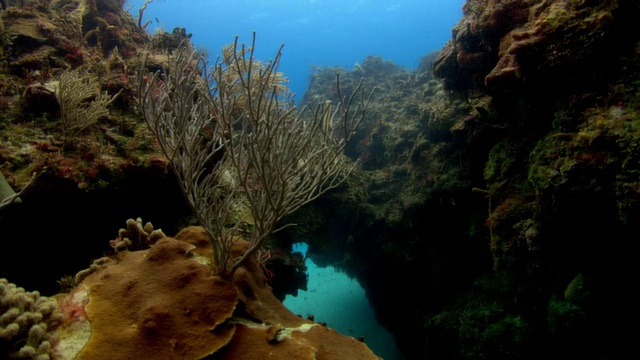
315 32
334 298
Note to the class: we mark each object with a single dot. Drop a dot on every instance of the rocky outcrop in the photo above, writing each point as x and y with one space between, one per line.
509 196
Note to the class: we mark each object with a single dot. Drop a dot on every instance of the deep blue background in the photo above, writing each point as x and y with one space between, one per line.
315 32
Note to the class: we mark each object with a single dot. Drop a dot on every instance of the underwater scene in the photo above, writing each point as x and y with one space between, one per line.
319 179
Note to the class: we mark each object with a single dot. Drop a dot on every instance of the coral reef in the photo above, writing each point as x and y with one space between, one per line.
26 321
99 164
508 184
46 58
410 206
498 185
111 166
136 236
125 300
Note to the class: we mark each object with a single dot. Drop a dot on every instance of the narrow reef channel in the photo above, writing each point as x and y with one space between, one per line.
332 297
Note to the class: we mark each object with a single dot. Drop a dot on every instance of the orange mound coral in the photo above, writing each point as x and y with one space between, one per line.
308 341
164 303
158 302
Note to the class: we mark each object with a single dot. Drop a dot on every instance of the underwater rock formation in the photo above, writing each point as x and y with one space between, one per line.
508 185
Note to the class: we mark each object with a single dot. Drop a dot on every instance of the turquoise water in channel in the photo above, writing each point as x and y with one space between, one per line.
334 298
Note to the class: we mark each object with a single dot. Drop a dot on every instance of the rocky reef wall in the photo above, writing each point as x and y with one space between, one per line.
497 203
